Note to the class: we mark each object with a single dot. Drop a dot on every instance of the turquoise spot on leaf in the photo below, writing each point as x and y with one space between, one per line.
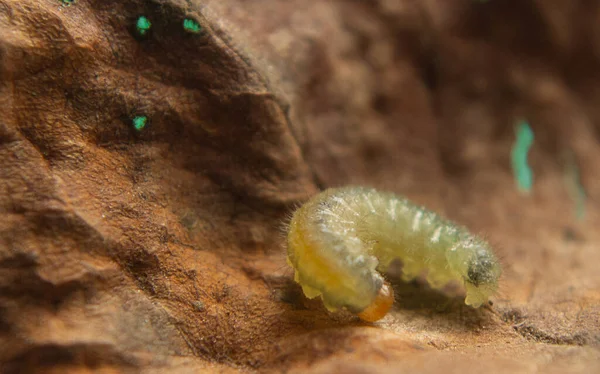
521 170
140 122
142 25
192 26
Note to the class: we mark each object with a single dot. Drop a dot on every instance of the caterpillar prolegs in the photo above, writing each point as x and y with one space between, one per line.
341 240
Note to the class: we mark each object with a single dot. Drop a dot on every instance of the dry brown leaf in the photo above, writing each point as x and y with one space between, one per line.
161 250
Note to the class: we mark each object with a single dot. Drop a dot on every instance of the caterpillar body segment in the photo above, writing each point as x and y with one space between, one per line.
341 240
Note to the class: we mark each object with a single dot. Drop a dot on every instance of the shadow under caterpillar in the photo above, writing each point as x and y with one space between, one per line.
341 240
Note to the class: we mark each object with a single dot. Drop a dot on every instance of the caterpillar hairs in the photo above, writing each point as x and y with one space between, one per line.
342 239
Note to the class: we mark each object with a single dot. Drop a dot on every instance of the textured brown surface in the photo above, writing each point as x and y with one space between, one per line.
161 250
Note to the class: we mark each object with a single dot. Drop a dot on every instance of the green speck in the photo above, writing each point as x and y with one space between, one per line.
68 2
522 171
143 25
192 26
140 122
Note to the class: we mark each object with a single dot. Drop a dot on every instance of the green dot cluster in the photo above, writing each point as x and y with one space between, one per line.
143 25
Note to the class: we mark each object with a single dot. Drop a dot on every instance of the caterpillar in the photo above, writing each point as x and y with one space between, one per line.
342 239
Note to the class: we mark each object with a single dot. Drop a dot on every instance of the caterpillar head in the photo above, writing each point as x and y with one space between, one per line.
481 278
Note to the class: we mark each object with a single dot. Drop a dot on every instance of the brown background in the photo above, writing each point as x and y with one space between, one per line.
162 250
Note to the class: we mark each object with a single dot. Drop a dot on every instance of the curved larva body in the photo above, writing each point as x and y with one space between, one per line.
341 239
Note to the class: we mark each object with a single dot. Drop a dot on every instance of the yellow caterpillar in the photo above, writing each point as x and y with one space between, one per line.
341 239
